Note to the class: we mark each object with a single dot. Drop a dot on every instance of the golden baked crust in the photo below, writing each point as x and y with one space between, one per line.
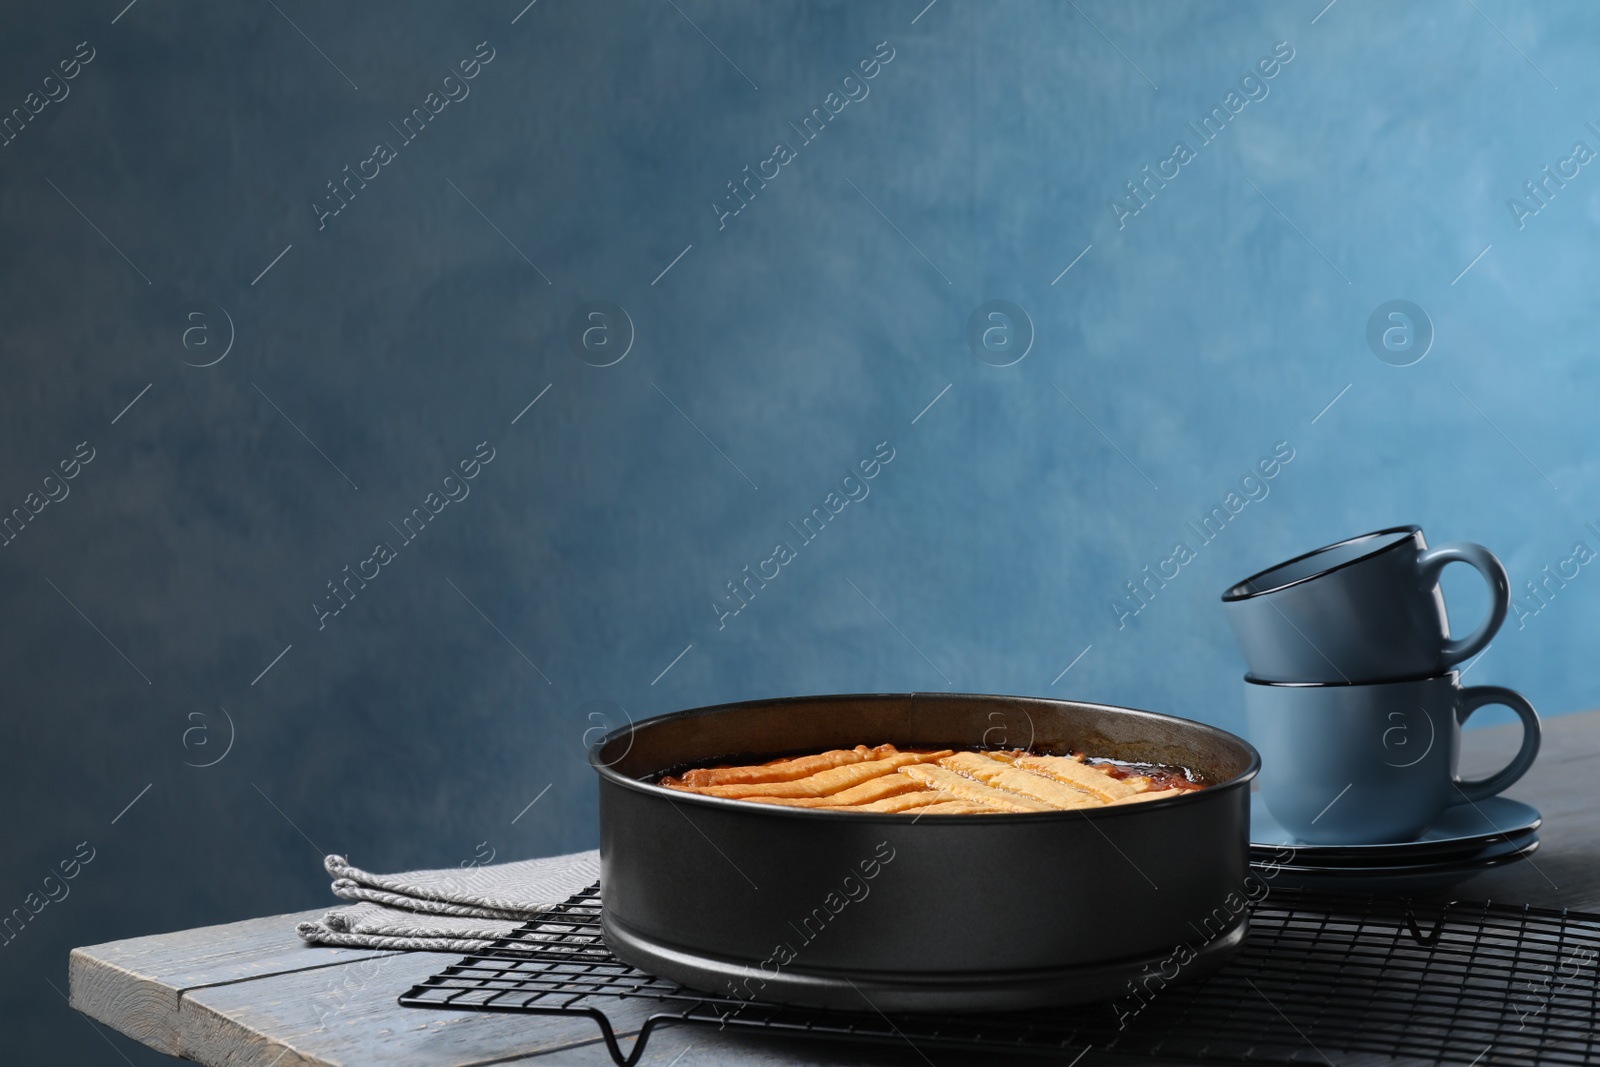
1002 775
1154 794
823 783
883 787
944 782
956 807
785 770
1085 776
963 788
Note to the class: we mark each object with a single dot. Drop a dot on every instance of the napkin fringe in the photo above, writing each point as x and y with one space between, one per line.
464 909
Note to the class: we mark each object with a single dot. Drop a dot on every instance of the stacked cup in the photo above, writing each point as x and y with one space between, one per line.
1351 696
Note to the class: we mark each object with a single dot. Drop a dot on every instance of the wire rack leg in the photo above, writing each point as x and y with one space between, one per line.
608 1034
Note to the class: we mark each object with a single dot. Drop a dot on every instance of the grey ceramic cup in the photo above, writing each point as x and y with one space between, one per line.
1364 610
1372 764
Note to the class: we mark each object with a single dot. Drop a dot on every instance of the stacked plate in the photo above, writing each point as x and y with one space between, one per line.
1465 839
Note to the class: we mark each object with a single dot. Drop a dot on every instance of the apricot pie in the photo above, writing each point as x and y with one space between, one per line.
943 782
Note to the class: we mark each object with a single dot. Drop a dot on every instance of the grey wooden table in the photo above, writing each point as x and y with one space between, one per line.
251 994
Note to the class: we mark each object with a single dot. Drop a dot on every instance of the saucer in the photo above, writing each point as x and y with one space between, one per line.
1402 878
1461 831
1287 858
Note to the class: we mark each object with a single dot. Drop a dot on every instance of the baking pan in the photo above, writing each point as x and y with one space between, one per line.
890 912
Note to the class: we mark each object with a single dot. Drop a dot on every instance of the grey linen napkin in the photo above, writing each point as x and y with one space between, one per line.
454 909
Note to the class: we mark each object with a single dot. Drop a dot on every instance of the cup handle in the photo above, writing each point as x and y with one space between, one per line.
1479 696
1431 562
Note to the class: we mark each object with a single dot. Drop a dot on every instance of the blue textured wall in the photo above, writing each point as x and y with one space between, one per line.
785 345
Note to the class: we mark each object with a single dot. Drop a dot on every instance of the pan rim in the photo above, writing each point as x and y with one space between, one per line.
674 796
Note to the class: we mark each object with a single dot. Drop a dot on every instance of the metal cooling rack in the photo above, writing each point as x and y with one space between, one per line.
1319 975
